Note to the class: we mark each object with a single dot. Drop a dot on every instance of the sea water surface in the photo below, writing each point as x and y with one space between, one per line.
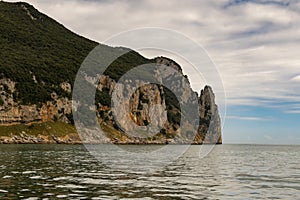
228 172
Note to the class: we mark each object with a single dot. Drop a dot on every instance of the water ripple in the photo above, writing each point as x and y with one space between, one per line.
229 172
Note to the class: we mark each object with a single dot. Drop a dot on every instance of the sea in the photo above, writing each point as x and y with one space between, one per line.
73 172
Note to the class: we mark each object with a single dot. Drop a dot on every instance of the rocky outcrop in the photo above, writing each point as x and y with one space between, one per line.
153 115
13 112
24 138
210 123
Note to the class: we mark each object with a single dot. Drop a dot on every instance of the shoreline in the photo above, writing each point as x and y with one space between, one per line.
73 139
61 133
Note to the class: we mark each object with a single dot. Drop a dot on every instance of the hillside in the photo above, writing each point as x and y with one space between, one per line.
39 60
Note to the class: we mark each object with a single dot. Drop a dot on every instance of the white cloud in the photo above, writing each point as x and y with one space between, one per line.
247 118
293 111
268 137
296 78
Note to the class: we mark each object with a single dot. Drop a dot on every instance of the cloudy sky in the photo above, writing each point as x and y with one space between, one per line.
255 45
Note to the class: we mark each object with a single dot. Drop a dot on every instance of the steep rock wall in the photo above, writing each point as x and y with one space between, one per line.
150 107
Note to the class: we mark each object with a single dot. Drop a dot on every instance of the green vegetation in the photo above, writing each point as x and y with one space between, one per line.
40 47
173 108
127 62
103 97
47 128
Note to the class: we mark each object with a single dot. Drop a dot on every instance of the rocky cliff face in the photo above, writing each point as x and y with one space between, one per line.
152 108
13 112
210 123
152 114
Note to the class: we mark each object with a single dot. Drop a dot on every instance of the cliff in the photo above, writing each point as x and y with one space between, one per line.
38 66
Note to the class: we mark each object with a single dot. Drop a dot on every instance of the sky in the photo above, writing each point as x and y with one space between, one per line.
254 44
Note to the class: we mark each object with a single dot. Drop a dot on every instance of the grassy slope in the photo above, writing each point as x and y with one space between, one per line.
47 128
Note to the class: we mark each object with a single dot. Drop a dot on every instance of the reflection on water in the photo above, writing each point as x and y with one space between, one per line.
229 172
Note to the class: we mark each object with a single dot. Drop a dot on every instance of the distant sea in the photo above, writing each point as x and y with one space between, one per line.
228 172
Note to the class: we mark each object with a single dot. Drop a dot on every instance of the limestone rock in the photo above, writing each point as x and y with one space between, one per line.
149 109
